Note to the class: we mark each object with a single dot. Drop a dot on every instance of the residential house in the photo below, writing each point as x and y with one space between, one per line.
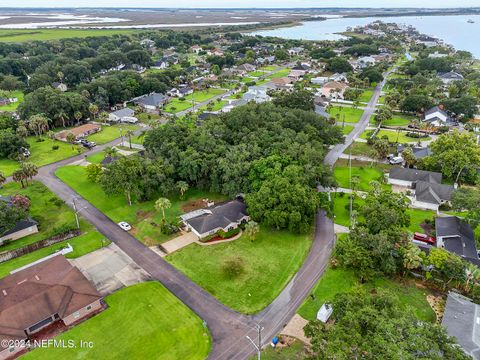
50 293
407 177
437 117
295 51
339 77
257 94
226 216
123 115
180 92
196 49
246 67
148 43
365 61
333 90
79 131
60 86
297 74
461 321
456 236
135 67
319 80
265 60
437 55
151 102
449 77
23 227
215 52
283 83
431 195
418 152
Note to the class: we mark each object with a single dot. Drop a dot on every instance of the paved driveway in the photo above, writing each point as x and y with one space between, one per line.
110 269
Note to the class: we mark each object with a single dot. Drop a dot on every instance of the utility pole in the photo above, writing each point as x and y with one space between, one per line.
259 346
350 180
75 211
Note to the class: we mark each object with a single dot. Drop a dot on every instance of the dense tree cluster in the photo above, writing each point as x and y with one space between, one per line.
270 153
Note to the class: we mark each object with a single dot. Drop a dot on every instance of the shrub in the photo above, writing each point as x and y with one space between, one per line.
228 234
63 229
233 267
55 147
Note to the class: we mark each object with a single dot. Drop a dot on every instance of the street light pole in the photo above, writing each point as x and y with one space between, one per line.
259 346
76 213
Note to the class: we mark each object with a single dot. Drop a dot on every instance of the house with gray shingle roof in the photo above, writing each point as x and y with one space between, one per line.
461 319
225 216
431 195
21 229
456 236
407 177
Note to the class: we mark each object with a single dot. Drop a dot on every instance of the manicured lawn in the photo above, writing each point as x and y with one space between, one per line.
142 216
396 120
177 105
347 129
364 171
393 136
144 321
381 99
14 94
110 133
204 95
342 208
346 114
19 35
269 68
257 73
336 281
83 244
295 351
216 105
417 217
96 158
366 96
269 262
7 166
280 74
45 207
360 149
145 117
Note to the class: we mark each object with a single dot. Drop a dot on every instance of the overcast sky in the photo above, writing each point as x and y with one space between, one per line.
239 3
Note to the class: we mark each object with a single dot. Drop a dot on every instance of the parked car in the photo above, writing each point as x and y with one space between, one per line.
124 226
397 160
24 151
424 238
88 144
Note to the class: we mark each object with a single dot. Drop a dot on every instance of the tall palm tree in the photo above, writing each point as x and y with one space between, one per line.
78 116
251 229
162 204
61 115
182 186
110 151
130 133
93 109
3 178
29 170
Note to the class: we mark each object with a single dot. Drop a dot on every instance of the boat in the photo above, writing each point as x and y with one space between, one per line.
470 21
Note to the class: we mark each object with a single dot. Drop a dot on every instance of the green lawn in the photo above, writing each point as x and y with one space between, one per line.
46 208
176 105
417 217
142 216
346 114
366 96
269 262
342 208
396 120
216 105
83 244
381 99
257 73
42 153
110 133
13 94
335 281
269 68
295 351
146 117
279 74
96 158
18 35
347 129
144 321
393 136
360 149
363 170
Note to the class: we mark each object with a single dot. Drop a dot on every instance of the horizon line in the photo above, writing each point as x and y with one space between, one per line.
240 8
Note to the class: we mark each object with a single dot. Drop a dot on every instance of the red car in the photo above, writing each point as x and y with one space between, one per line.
424 238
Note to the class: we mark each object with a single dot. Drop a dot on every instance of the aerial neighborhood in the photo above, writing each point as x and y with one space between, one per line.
186 194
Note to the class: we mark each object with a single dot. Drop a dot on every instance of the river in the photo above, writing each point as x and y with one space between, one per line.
453 29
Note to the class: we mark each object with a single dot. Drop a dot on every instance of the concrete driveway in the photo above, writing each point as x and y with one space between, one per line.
179 242
110 269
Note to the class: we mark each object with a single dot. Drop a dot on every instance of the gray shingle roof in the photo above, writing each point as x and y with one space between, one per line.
432 193
460 320
415 175
458 237
126 112
153 99
219 216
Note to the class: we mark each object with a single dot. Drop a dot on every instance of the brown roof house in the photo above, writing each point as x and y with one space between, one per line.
283 83
79 131
52 291
333 90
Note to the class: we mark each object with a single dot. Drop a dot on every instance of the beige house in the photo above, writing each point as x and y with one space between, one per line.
50 293
79 131
23 228
333 90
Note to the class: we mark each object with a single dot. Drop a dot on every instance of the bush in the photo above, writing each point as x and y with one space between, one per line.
40 140
233 267
251 83
55 147
228 234
416 135
56 201
445 207
63 229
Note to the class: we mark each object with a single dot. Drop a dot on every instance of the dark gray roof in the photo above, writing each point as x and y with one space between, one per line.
451 75
153 99
124 112
109 159
458 237
320 110
415 175
460 320
418 152
432 193
219 216
21 225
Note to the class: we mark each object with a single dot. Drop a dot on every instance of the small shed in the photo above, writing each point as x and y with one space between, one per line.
324 313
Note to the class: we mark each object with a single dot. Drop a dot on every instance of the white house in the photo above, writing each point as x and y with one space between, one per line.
407 177
450 77
436 116
319 80
123 115
325 312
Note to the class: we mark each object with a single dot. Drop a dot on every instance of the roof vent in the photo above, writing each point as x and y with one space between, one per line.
36 277
4 292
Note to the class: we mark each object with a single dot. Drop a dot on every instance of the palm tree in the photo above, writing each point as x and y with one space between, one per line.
38 124
130 133
251 230
182 186
19 176
110 151
2 178
29 170
103 116
162 204
472 273
61 115
93 109
78 116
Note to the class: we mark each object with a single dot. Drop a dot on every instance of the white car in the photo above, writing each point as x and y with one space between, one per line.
124 225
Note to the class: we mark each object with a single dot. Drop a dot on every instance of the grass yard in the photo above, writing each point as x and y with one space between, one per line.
143 321
142 216
366 96
341 210
176 105
279 74
46 208
269 68
336 281
347 129
216 105
360 149
417 217
146 117
7 166
83 244
110 133
393 136
269 262
295 351
257 73
18 35
381 99
96 158
363 170
346 114
13 94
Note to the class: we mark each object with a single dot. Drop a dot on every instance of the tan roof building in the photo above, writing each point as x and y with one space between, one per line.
40 295
333 89
79 131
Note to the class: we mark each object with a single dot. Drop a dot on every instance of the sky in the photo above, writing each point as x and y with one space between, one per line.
240 3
